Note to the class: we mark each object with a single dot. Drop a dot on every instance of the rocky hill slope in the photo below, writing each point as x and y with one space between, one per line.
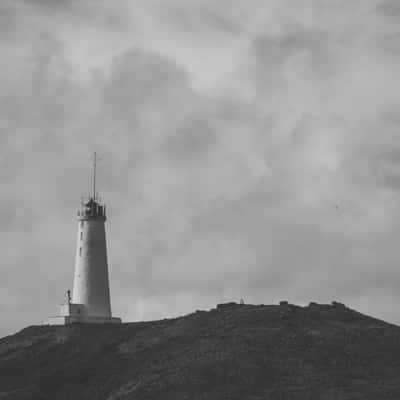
326 352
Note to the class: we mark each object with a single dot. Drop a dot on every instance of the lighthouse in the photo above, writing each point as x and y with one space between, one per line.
90 301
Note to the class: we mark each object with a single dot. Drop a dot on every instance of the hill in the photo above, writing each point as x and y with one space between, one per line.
278 352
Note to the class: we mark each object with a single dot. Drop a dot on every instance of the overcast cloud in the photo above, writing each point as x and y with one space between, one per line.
249 150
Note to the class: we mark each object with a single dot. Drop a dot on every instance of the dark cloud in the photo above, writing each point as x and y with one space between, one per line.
311 51
390 8
219 21
8 18
200 18
191 141
139 79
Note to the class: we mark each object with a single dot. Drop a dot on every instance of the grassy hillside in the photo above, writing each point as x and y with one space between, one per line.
326 352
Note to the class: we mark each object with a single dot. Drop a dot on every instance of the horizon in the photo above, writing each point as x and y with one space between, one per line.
215 308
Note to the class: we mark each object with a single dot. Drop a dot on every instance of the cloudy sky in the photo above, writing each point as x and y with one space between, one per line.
250 149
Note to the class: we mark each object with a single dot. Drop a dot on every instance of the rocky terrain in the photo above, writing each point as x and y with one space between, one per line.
278 352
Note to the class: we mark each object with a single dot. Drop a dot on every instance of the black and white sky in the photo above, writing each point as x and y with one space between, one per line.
250 149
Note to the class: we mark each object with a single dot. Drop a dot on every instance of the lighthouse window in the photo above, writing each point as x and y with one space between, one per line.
81 224
80 251
81 235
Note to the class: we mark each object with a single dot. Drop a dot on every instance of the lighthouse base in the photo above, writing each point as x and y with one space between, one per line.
73 313
66 320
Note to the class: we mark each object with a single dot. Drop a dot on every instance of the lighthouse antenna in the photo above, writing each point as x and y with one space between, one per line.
95 159
94 175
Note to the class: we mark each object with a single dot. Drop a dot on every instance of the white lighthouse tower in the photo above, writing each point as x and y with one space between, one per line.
91 291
